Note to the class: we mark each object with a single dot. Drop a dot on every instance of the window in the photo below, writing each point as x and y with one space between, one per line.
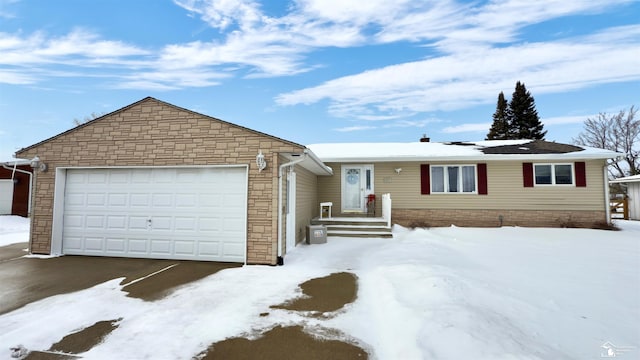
553 174
453 179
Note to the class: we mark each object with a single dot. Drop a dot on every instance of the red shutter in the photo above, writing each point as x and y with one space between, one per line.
482 179
425 180
527 174
581 174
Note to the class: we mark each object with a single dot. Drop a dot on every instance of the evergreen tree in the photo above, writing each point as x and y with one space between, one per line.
500 126
525 122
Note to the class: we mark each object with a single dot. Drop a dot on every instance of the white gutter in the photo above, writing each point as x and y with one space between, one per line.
575 156
316 159
281 168
14 169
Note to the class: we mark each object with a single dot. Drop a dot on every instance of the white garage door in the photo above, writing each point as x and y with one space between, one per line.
160 213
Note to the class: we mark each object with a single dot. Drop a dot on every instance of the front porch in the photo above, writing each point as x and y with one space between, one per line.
357 225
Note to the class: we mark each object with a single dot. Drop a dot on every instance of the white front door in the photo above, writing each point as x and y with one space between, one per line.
357 183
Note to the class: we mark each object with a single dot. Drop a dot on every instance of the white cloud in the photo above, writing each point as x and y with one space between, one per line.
484 127
16 77
354 128
463 79
410 123
255 44
78 44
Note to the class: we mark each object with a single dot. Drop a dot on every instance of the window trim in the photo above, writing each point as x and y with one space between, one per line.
553 174
460 179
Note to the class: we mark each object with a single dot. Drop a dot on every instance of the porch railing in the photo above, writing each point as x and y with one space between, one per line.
386 208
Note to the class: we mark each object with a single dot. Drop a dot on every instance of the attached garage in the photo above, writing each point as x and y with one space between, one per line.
186 213
154 180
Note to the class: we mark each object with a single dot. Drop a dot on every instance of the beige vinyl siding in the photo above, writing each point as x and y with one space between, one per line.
504 182
329 188
307 205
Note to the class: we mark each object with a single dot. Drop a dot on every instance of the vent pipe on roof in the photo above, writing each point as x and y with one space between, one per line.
424 138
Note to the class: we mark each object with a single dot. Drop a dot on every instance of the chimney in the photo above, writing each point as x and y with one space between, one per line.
424 138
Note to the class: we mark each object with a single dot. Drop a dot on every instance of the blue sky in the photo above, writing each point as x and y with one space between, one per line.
314 71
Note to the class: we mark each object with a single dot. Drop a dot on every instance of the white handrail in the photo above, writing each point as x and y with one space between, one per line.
386 208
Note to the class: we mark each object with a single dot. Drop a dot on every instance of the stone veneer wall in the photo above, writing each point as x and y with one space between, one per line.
490 218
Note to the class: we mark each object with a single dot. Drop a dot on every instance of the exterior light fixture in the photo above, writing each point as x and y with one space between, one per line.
37 164
260 161
398 170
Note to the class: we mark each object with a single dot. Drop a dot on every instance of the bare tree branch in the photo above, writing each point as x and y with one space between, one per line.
619 132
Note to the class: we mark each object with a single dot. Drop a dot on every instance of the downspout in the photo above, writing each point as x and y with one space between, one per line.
14 169
607 207
280 260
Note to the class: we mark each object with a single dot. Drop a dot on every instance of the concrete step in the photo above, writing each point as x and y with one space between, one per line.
350 222
359 234
357 228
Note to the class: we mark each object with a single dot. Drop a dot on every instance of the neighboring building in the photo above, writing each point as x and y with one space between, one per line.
15 187
154 180
633 194
485 183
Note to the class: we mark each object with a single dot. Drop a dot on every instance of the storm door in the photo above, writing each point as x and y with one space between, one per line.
357 183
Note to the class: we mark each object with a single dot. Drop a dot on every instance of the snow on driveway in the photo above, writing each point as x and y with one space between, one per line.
440 293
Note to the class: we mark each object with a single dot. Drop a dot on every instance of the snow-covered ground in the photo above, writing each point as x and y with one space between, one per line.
440 293
13 230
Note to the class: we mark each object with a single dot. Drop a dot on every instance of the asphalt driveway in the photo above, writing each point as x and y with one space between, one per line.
25 280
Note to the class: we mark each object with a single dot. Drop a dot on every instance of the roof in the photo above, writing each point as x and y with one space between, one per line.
457 151
16 162
149 98
310 162
627 179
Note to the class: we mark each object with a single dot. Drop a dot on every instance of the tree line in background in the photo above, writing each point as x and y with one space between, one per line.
516 119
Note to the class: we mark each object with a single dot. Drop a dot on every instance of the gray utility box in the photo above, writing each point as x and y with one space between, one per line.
316 234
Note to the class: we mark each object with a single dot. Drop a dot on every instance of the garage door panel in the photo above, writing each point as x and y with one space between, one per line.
161 247
93 244
117 200
138 223
119 176
73 221
233 249
186 213
116 245
186 201
137 246
98 177
209 248
186 224
74 199
116 222
184 248
96 200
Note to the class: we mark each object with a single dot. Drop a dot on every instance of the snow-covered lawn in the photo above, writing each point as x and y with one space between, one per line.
13 230
440 293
